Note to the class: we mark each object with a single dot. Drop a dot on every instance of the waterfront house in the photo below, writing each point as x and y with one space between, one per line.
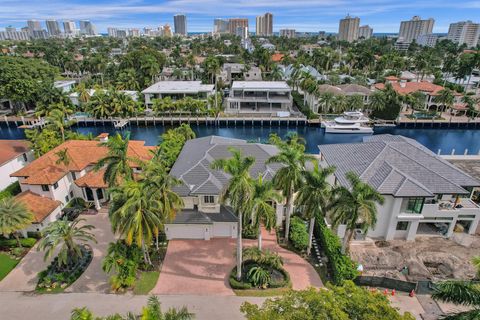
238 71
314 100
203 216
60 182
75 96
14 155
178 90
424 194
259 97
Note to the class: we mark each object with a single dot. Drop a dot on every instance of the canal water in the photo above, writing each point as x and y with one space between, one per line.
444 139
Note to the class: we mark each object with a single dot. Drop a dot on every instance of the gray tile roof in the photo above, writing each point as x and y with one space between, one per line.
187 216
397 166
193 164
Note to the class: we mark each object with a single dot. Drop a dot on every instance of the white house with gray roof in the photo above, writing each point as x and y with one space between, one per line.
203 216
178 90
424 194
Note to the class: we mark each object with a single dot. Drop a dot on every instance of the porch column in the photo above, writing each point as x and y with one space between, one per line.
392 224
450 228
95 199
474 226
412 230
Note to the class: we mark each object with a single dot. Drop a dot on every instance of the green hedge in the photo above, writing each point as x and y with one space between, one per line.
341 266
12 243
298 100
10 191
298 234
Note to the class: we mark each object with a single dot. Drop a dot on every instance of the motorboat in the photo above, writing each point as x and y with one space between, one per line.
349 122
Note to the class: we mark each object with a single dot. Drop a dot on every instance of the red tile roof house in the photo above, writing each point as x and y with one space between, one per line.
430 90
47 186
14 155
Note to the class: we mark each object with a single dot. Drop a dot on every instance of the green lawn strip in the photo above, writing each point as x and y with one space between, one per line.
146 282
261 292
6 264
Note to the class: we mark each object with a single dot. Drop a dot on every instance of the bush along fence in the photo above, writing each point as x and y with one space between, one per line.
383 282
340 266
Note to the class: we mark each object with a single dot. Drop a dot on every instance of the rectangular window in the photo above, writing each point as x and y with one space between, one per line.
415 205
45 187
74 176
25 157
402 226
66 199
209 199
55 185
71 194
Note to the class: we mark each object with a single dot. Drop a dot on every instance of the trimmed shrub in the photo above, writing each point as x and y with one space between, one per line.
298 100
235 284
341 266
298 233
12 243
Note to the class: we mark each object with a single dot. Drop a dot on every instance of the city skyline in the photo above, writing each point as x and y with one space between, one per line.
383 16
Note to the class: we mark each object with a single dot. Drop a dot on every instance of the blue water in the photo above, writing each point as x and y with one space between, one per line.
434 139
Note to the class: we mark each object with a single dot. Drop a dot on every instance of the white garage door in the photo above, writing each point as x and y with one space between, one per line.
186 231
222 230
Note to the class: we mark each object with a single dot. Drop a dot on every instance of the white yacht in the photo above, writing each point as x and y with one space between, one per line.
349 122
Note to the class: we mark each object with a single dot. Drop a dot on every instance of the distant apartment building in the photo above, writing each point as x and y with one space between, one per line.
220 26
464 32
34 25
40 34
365 32
180 24
53 28
117 33
134 32
69 28
288 33
112 32
235 23
11 33
87 28
410 30
264 25
427 40
348 29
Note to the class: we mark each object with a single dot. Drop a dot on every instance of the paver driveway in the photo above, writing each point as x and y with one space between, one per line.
202 267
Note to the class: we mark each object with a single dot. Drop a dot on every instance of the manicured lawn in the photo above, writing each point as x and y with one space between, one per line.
147 281
261 293
6 265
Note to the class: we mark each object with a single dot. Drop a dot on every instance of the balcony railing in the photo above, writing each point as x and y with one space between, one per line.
463 206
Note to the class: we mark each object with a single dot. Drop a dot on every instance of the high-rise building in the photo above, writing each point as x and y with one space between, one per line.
53 28
87 28
40 34
464 32
264 25
235 23
11 33
348 29
288 33
69 28
180 24
427 40
134 32
220 26
410 30
365 32
112 32
34 25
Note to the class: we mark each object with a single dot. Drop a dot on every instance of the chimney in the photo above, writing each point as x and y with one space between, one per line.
103 137
403 83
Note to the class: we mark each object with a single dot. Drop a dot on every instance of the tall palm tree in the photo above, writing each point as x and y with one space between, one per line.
377 101
68 237
14 216
116 162
239 191
355 206
289 177
314 196
326 99
261 207
153 312
134 215
445 98
463 293
416 100
56 118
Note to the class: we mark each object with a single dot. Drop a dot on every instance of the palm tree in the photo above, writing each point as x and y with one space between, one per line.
134 215
117 161
355 206
476 264
68 238
416 100
153 312
461 293
238 193
326 99
261 208
56 119
63 157
314 196
445 98
377 101
14 216
289 177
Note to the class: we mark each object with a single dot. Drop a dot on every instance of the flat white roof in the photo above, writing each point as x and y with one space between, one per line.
179 87
265 85
63 83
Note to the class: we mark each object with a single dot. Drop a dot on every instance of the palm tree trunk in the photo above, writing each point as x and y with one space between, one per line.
259 237
310 235
18 240
346 240
288 214
239 246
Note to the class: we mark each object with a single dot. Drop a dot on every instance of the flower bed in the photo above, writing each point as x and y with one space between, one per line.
56 278
277 277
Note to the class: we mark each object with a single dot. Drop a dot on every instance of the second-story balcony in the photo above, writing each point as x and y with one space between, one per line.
450 208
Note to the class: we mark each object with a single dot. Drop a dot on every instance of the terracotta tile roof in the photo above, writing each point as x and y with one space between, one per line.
39 206
92 179
410 87
82 153
391 78
10 149
277 57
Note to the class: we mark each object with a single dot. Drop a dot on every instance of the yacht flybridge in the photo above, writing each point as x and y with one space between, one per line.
349 122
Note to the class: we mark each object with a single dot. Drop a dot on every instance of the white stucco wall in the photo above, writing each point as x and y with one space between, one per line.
12 166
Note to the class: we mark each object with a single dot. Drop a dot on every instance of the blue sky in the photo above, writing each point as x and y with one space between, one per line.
303 15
